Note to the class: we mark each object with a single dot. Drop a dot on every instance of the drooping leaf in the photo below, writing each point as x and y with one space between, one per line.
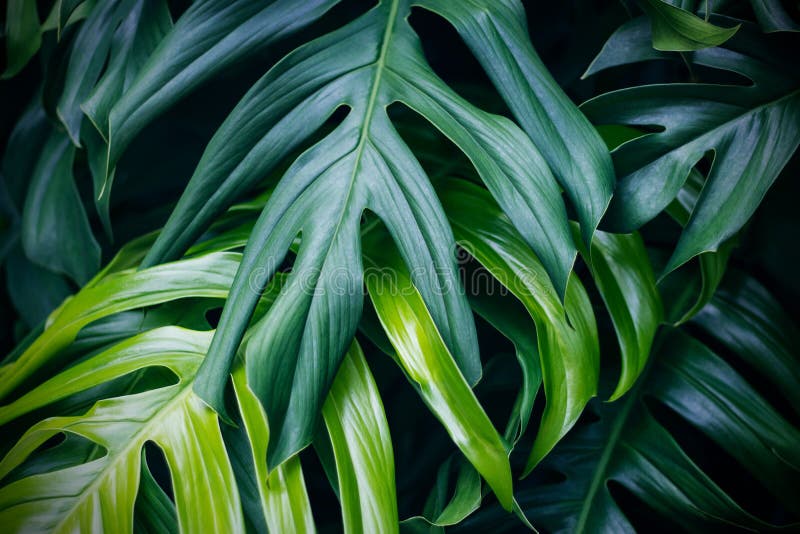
684 292
209 37
142 25
675 29
424 357
22 33
87 58
621 269
282 492
443 509
55 229
566 334
497 33
772 17
751 323
512 320
64 9
23 149
630 43
627 445
34 290
139 32
208 276
362 447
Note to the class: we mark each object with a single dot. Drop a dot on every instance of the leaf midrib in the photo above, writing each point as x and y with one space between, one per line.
605 458
363 137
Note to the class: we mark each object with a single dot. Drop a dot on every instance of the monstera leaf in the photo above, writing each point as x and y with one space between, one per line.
74 486
387 247
362 164
105 486
628 445
566 333
751 130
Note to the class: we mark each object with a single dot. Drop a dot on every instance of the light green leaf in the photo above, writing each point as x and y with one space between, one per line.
566 334
426 361
362 447
284 499
208 276
621 269
675 29
104 490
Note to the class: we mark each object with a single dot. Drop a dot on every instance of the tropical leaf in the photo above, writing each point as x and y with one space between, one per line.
53 209
103 490
628 44
772 17
621 269
283 496
426 361
752 324
22 33
208 276
496 32
630 446
210 36
361 165
566 334
675 29
362 447
683 291
740 124
455 184
442 509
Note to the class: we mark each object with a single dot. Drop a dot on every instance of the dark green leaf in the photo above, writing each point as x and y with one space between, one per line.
22 33
55 229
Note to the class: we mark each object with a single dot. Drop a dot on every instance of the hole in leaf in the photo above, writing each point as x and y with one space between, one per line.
159 468
451 60
213 315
